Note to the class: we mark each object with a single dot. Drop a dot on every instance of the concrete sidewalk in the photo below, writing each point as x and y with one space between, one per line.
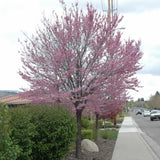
130 144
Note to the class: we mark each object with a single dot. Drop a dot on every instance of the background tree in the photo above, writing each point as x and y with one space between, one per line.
109 104
74 57
154 101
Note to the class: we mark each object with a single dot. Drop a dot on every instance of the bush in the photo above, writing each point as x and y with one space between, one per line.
86 124
122 115
104 134
8 151
108 124
44 132
87 134
119 120
23 130
100 123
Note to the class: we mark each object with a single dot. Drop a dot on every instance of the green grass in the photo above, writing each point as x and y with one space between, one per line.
108 134
120 120
126 114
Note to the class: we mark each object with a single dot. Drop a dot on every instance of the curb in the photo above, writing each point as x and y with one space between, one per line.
144 150
151 145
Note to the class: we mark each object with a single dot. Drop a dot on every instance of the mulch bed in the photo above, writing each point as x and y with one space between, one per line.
105 146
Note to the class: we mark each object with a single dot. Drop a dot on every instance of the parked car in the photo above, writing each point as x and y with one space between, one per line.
139 112
146 113
155 114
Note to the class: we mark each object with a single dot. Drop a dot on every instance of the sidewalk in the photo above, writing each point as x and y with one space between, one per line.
130 144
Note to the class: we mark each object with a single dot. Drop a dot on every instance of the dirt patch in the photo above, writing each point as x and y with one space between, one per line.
106 148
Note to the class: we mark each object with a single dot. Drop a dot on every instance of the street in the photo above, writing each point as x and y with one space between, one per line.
150 129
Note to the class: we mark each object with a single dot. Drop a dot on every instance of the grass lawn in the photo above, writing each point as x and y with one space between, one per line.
108 134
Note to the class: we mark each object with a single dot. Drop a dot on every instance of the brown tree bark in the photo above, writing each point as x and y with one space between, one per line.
96 134
114 120
78 141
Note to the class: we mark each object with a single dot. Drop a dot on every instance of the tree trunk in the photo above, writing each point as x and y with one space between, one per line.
114 120
96 134
78 141
104 124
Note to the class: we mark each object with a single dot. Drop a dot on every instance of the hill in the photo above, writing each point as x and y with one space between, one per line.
5 93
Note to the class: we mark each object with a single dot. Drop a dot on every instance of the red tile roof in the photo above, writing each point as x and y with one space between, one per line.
14 99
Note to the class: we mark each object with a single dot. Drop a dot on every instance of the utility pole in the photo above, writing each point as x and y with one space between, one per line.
109 8
112 7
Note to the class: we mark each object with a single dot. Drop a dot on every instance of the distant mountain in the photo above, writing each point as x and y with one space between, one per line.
5 93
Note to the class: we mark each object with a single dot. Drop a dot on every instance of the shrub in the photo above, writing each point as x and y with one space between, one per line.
87 134
8 151
56 131
119 120
46 132
86 124
122 115
104 134
108 124
23 131
100 123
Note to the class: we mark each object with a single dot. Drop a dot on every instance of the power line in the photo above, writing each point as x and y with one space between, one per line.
113 6
102 5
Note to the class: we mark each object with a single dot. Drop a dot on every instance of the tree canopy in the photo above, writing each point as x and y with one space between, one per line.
78 55
154 101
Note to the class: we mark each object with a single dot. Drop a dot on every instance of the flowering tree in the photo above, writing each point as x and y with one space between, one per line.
109 104
73 57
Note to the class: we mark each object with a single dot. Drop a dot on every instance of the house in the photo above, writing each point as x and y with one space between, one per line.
14 100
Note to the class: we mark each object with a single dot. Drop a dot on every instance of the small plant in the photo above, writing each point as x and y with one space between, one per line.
104 135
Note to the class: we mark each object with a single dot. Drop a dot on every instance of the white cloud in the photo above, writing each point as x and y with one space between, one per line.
150 85
137 6
145 27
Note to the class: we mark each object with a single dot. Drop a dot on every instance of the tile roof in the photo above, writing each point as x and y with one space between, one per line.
14 99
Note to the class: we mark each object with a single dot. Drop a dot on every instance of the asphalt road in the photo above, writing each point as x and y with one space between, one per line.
151 128
151 131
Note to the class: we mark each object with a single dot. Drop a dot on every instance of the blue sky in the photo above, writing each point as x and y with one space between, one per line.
141 22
